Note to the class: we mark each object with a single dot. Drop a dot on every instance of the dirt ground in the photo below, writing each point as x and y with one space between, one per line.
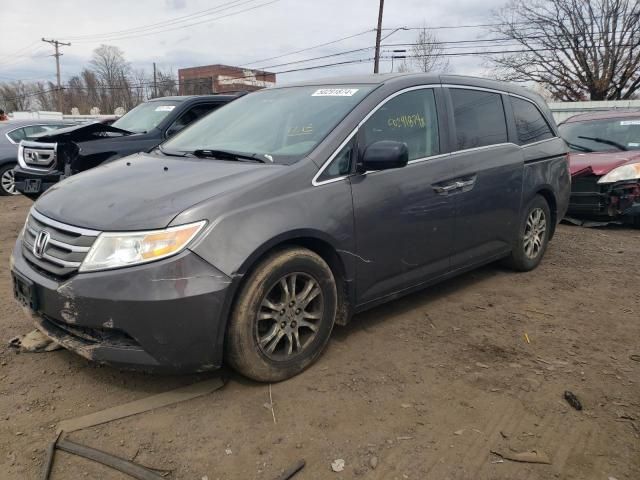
429 385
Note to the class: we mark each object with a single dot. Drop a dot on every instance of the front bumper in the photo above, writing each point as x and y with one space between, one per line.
166 315
617 201
46 179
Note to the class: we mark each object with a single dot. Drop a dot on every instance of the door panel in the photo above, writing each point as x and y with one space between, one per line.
488 214
404 227
488 207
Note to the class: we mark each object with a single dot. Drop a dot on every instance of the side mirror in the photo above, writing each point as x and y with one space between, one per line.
384 155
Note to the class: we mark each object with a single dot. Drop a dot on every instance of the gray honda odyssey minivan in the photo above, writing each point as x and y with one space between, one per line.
248 235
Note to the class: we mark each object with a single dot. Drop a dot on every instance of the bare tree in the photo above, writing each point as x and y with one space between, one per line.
167 84
427 53
16 96
576 49
403 67
112 72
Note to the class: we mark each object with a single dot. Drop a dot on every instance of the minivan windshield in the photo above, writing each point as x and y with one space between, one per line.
280 125
610 135
146 116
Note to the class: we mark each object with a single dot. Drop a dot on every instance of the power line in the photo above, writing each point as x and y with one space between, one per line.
313 47
140 28
254 7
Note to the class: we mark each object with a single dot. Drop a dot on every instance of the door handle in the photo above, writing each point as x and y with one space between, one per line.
467 183
446 188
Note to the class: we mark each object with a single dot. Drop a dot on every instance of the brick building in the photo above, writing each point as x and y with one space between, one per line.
222 78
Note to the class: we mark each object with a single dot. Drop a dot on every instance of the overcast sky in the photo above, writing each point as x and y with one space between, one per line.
279 27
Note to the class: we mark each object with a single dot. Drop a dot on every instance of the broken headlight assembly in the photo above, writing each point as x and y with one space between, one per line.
623 173
115 250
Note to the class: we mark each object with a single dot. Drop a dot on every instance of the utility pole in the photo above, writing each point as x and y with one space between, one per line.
57 46
376 61
155 82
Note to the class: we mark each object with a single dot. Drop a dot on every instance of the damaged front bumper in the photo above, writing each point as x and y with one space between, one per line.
166 315
618 201
32 182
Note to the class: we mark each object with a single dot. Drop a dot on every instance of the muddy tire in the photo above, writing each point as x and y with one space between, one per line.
283 316
533 236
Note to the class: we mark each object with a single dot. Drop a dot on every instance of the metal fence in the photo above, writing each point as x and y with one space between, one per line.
563 110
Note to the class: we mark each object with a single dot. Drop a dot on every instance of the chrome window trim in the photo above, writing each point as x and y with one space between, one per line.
315 182
13 142
491 90
539 141
63 226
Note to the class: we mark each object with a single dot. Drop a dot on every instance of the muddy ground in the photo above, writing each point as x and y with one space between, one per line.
429 385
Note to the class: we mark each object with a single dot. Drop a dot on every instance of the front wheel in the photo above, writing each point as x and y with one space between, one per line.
533 236
283 317
7 181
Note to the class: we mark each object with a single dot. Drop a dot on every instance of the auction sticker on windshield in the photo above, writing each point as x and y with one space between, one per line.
630 122
335 92
165 108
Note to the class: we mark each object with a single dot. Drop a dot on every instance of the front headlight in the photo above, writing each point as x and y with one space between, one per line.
113 250
625 172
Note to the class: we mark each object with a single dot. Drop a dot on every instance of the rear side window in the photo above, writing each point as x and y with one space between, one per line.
409 118
16 135
479 118
530 124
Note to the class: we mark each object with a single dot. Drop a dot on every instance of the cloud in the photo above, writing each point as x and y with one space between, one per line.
176 4
277 28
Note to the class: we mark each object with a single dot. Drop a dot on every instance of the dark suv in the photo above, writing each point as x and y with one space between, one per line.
250 234
45 160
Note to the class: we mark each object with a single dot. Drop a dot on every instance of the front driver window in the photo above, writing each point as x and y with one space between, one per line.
408 118
190 116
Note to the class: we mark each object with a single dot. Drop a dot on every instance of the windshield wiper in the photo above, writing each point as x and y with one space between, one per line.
224 155
581 148
606 142
171 154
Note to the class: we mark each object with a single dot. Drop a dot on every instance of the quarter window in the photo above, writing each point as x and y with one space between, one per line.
479 118
409 118
530 124
341 164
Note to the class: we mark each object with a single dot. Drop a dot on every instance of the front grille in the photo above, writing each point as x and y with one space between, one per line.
38 156
63 251
587 196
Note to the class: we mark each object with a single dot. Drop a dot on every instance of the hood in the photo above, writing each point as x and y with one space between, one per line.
81 133
144 192
600 163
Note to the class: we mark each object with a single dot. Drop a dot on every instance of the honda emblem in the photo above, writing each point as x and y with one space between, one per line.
40 243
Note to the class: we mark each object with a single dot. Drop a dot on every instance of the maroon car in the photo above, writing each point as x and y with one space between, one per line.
605 165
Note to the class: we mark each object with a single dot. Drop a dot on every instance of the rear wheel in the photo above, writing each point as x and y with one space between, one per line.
7 180
283 317
533 236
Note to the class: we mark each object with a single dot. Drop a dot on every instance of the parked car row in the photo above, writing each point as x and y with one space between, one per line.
245 237
47 158
11 134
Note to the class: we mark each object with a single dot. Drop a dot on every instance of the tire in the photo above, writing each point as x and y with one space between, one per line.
269 349
526 255
7 187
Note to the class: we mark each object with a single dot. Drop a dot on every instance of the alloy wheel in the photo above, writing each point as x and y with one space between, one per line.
534 233
7 182
289 316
